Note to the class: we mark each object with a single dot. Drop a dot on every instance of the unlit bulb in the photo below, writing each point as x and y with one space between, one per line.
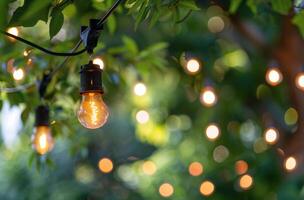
42 140
93 112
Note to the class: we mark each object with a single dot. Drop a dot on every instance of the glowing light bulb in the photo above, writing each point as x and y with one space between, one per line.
140 89
166 190
245 182
18 74
290 163
300 81
93 112
193 66
13 31
99 61
42 140
271 135
207 188
149 168
212 131
105 165
208 97
142 116
241 167
195 169
274 76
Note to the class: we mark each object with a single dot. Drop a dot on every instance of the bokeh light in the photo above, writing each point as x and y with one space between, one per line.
149 168
18 74
246 182
241 167
195 169
290 163
208 97
271 135
142 116
220 153
299 81
98 61
274 76
13 31
216 24
140 89
193 66
207 188
105 165
166 190
291 116
212 131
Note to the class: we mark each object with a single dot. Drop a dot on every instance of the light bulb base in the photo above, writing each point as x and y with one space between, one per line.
91 79
42 117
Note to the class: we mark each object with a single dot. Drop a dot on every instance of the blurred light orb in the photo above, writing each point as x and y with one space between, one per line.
245 182
290 163
300 81
166 190
26 53
291 116
207 188
220 153
142 116
13 31
274 76
208 97
216 24
105 165
195 169
18 74
98 61
212 131
193 66
241 167
140 89
271 135
149 168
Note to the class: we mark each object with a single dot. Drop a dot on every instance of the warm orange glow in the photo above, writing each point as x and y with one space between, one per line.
13 31
246 182
241 167
105 165
18 74
300 81
166 190
193 66
212 131
271 135
195 169
208 97
149 168
290 163
274 76
98 61
207 188
42 140
93 112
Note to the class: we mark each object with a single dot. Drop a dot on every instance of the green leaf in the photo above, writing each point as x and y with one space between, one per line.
234 5
31 12
130 45
253 5
190 4
281 6
298 20
56 22
3 13
111 24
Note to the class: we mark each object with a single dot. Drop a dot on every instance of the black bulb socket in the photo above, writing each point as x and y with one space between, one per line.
91 79
42 117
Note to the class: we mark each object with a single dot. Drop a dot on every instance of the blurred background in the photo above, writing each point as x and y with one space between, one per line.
205 101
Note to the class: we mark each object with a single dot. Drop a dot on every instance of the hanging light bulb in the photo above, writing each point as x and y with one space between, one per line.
13 31
93 112
208 96
42 139
300 81
193 66
274 76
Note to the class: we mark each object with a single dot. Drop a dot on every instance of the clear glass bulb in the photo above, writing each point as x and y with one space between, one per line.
93 112
42 139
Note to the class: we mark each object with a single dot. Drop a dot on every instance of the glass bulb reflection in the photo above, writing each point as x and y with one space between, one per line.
93 112
42 140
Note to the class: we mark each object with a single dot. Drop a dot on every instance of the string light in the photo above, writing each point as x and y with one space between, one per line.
246 182
207 188
105 165
212 131
290 163
271 135
149 168
274 76
18 74
166 190
241 167
13 31
299 81
142 116
193 66
140 89
99 61
208 97
195 169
